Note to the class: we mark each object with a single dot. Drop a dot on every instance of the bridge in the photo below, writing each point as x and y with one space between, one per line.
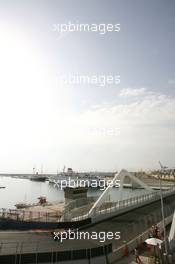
99 211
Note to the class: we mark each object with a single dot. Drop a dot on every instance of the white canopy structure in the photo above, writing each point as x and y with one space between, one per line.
121 177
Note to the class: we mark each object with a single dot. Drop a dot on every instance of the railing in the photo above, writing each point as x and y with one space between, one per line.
23 215
50 252
133 201
27 246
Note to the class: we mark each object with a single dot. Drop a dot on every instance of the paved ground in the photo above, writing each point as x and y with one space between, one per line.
144 258
131 260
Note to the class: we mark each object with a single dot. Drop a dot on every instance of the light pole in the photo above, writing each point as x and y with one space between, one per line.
163 216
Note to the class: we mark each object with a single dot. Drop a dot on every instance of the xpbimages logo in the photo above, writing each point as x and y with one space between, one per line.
85 235
101 28
90 183
99 80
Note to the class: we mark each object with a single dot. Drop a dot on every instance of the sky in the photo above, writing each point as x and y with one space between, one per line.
46 122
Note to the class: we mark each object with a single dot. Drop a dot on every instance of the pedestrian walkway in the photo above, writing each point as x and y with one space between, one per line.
131 260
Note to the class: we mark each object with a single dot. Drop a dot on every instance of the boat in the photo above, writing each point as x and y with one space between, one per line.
38 177
22 205
42 201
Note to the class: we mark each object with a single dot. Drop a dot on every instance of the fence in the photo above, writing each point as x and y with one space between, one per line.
120 206
24 215
29 253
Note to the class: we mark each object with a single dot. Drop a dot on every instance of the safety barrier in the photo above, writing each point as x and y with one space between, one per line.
124 205
54 255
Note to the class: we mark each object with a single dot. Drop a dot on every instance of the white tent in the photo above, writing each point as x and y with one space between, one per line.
153 241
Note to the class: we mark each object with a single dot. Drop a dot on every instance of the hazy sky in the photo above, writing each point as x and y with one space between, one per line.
86 126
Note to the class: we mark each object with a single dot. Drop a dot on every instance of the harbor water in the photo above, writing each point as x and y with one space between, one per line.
19 190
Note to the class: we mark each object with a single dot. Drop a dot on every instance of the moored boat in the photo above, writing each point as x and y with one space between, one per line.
38 177
22 205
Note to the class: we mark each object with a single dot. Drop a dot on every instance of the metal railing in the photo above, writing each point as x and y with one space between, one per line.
23 215
127 203
48 252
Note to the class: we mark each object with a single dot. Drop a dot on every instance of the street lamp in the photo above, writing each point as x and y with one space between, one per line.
163 216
